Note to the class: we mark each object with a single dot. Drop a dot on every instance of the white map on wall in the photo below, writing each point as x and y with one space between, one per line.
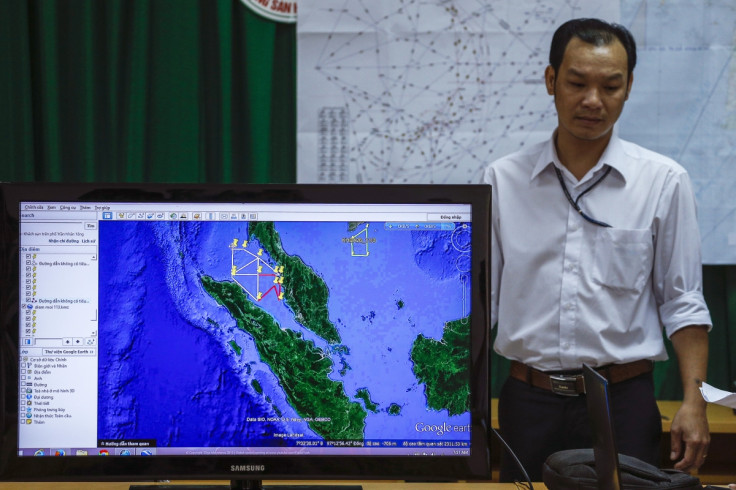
431 91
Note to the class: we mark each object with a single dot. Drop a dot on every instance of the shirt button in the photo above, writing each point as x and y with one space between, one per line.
569 306
565 346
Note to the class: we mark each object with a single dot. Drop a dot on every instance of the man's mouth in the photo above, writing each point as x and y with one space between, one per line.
589 119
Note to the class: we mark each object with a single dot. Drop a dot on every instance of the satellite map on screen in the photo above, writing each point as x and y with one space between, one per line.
249 334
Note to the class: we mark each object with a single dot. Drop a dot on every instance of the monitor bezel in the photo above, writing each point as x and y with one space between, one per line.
134 468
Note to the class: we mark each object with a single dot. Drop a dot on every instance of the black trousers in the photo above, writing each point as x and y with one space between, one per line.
537 423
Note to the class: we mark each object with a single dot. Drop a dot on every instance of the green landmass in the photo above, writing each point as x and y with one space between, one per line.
341 349
443 367
345 367
365 395
400 304
257 386
301 368
304 291
394 409
353 225
238 350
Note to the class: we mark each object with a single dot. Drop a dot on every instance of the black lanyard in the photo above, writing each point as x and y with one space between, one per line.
574 203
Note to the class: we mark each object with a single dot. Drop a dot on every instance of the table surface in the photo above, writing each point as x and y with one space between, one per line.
721 419
367 485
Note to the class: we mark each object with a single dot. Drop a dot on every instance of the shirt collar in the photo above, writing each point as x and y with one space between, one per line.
614 156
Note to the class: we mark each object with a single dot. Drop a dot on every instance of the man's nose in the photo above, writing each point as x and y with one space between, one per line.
592 98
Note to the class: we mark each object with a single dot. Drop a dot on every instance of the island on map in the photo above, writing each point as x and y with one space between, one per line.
301 367
443 367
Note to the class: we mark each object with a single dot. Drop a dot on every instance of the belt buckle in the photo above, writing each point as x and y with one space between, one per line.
563 385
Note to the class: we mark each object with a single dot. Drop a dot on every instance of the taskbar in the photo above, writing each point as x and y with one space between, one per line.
351 448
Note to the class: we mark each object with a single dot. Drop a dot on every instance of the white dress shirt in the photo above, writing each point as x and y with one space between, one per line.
565 291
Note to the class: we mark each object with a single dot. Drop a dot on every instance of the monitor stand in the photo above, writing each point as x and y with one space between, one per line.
246 485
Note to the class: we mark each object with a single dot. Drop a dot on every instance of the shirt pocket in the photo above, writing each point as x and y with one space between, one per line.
623 259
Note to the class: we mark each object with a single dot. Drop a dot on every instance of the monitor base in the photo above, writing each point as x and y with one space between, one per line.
246 485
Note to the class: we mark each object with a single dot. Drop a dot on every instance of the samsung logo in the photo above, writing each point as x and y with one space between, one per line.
248 467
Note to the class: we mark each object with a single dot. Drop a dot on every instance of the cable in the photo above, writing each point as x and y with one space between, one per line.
510 452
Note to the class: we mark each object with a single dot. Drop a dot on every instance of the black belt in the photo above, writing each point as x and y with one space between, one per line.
572 384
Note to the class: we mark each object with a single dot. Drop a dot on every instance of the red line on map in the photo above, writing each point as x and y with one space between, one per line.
276 289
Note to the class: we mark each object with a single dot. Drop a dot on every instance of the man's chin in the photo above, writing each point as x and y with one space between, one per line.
591 134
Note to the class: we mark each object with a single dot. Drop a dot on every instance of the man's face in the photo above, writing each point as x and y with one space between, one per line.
590 89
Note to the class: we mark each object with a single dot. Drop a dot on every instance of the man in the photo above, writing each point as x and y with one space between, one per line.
595 249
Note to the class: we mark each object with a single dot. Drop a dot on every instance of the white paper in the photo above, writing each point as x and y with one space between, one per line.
432 91
423 91
719 397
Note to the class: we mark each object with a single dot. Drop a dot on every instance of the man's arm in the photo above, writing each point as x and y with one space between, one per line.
689 433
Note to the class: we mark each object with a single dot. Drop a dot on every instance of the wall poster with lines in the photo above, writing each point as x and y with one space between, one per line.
431 91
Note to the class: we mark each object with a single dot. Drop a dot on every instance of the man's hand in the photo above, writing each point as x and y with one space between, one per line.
689 432
690 438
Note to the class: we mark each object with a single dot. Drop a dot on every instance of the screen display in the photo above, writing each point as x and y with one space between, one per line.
196 328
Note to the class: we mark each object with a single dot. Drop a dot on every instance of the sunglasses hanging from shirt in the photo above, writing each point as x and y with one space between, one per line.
574 203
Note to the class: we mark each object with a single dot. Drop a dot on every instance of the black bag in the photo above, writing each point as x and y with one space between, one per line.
575 470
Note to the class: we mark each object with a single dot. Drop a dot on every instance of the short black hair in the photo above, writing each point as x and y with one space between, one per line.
592 31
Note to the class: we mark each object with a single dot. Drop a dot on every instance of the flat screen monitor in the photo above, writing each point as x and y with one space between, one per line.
244 332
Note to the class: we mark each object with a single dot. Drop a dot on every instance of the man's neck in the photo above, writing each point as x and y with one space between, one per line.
579 156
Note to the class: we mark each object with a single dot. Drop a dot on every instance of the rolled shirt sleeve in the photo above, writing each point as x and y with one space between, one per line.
677 272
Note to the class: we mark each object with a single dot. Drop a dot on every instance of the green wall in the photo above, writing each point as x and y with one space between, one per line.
140 90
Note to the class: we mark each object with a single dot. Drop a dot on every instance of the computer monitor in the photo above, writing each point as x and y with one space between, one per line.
244 332
601 423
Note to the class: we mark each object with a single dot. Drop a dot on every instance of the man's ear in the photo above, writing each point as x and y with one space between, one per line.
628 89
549 79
